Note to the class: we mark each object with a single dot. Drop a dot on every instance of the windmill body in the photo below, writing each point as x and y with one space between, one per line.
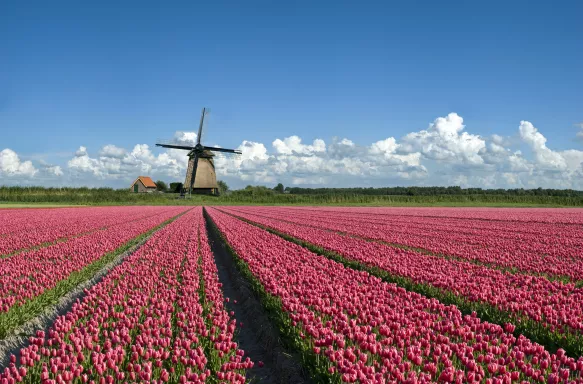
200 177
206 177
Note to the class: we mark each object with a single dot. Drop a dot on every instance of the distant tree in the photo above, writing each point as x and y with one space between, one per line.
279 188
175 187
161 186
223 187
253 191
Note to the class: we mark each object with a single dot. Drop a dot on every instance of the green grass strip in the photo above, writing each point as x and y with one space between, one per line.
316 365
20 314
34 247
536 331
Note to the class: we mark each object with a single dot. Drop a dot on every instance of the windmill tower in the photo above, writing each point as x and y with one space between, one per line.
201 177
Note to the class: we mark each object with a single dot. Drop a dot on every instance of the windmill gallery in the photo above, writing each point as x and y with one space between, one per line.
200 173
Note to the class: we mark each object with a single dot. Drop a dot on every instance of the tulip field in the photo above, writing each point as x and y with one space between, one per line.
537 242
359 295
365 330
545 308
22 229
28 274
156 317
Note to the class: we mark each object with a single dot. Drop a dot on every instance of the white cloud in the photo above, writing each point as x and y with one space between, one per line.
111 150
563 167
293 146
11 165
55 170
443 154
496 148
445 140
83 163
517 163
187 138
317 164
386 146
387 150
545 157
82 151
497 139
510 178
118 163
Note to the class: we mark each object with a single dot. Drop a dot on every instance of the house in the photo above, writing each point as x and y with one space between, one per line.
143 184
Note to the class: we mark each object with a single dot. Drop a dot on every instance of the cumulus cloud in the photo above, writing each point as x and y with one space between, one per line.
316 164
550 168
446 140
499 140
56 170
13 170
545 157
186 138
11 165
293 146
517 163
385 151
444 153
111 150
497 148
118 163
83 163
82 151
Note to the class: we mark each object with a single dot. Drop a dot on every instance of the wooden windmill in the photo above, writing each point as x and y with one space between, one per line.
200 174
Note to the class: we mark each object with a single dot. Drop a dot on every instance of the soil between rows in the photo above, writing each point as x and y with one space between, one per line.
258 337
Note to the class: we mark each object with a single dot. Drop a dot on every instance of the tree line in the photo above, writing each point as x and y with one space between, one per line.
177 187
265 195
434 191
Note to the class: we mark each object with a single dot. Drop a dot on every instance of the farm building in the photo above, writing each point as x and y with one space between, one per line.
143 184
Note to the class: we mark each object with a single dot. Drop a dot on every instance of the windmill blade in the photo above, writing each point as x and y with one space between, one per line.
193 176
217 149
199 136
186 147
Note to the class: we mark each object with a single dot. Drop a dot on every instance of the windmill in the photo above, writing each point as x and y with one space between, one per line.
200 174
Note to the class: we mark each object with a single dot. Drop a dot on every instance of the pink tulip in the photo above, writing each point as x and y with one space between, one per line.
311 286
366 238
100 231
141 297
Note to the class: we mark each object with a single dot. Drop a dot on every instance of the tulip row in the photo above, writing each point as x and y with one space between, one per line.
547 311
536 248
32 281
219 323
27 274
363 329
35 227
146 321
566 216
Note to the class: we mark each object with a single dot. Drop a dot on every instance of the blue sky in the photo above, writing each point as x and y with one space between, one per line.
74 75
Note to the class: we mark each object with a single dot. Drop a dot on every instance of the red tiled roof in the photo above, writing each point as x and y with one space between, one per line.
147 181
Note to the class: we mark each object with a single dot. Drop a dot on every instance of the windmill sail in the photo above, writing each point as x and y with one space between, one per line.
200 173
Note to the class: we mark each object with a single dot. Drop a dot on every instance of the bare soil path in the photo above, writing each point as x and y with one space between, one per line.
258 337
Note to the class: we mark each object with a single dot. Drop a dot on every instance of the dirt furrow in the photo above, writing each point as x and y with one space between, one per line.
258 337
